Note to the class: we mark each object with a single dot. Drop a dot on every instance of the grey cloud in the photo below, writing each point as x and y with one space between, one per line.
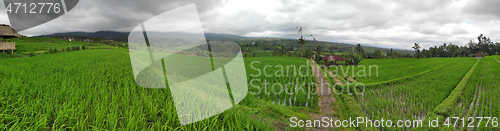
117 15
421 5
459 30
483 7
339 15
423 17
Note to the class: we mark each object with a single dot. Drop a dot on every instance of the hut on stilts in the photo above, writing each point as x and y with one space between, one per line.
6 35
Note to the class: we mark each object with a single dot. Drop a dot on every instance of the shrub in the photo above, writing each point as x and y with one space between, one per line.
83 47
53 50
32 53
321 62
318 60
75 48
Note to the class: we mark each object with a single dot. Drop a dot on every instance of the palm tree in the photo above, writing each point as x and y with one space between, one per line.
318 50
417 46
302 40
283 51
417 49
359 49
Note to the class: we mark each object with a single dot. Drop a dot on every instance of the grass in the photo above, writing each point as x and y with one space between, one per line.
390 69
414 99
290 79
30 44
354 111
465 100
95 90
447 105
479 97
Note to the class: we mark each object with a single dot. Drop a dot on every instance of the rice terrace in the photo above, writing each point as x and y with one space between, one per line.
52 83
231 65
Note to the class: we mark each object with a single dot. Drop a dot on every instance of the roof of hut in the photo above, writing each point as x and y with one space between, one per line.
478 54
7 31
333 58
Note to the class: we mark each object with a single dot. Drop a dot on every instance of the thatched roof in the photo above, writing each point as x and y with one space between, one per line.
478 54
7 31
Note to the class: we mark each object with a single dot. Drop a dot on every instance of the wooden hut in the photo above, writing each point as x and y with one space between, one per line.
478 55
6 35
333 59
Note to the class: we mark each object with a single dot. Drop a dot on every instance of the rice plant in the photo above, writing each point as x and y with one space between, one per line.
83 90
413 99
283 83
481 97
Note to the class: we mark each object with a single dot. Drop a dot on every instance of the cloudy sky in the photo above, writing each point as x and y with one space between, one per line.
389 23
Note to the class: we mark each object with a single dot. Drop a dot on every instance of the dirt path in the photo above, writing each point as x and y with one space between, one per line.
325 101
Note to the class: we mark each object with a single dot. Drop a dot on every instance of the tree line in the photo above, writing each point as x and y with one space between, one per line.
377 54
483 44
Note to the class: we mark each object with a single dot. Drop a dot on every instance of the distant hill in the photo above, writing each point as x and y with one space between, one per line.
104 34
123 36
291 44
222 36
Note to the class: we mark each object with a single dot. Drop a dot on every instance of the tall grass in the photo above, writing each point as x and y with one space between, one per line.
95 90
413 100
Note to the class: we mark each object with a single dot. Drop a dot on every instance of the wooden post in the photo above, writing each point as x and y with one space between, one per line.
2 45
12 52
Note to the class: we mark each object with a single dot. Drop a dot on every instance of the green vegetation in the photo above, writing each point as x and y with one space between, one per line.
264 47
413 99
374 70
83 90
33 46
29 44
480 98
346 106
54 84
286 81
484 45
447 105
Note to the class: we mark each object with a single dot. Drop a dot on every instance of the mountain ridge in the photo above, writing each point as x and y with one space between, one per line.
123 36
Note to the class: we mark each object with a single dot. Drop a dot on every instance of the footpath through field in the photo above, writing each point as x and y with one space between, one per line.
326 99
